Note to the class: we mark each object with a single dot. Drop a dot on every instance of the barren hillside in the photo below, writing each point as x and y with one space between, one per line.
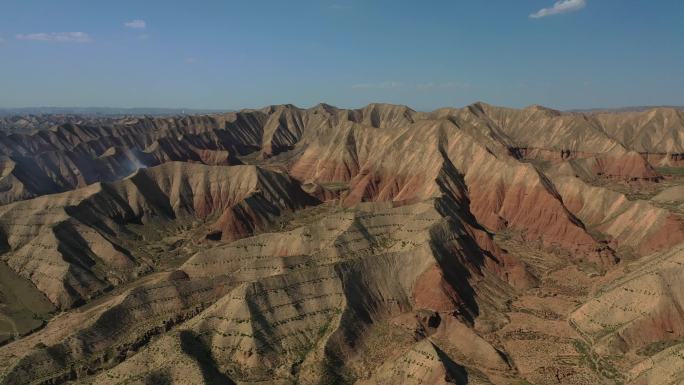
381 245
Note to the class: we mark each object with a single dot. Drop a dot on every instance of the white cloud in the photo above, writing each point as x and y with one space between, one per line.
382 85
57 37
562 6
135 24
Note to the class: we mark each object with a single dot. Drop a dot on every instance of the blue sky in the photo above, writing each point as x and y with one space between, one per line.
223 54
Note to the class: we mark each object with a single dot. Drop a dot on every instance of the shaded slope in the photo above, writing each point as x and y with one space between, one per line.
74 245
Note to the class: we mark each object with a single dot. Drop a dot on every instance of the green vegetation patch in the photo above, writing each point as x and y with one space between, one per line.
658 347
22 307
600 365
674 171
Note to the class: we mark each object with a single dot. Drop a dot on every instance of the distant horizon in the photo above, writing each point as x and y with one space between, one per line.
74 110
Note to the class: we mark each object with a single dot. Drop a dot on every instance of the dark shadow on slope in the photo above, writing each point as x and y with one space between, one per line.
452 185
457 253
159 377
197 350
455 373
34 178
154 195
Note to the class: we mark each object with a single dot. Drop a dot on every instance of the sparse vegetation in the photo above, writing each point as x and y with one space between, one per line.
658 346
673 171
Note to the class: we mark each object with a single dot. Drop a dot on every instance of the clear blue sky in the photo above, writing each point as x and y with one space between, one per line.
224 54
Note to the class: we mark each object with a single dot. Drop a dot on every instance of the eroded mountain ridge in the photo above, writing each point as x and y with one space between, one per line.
481 245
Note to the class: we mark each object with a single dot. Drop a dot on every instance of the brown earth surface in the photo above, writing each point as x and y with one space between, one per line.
381 245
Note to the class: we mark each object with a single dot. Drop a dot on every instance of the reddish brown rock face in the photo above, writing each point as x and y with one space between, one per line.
665 235
432 291
373 246
631 166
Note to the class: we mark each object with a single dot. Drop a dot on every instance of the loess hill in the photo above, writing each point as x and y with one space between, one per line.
480 245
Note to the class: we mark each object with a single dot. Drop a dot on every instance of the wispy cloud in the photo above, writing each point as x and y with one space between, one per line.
381 85
57 37
135 24
562 6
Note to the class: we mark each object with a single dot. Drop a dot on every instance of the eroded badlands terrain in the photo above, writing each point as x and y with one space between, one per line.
382 245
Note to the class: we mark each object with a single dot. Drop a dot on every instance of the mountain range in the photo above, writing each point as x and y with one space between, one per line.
380 245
